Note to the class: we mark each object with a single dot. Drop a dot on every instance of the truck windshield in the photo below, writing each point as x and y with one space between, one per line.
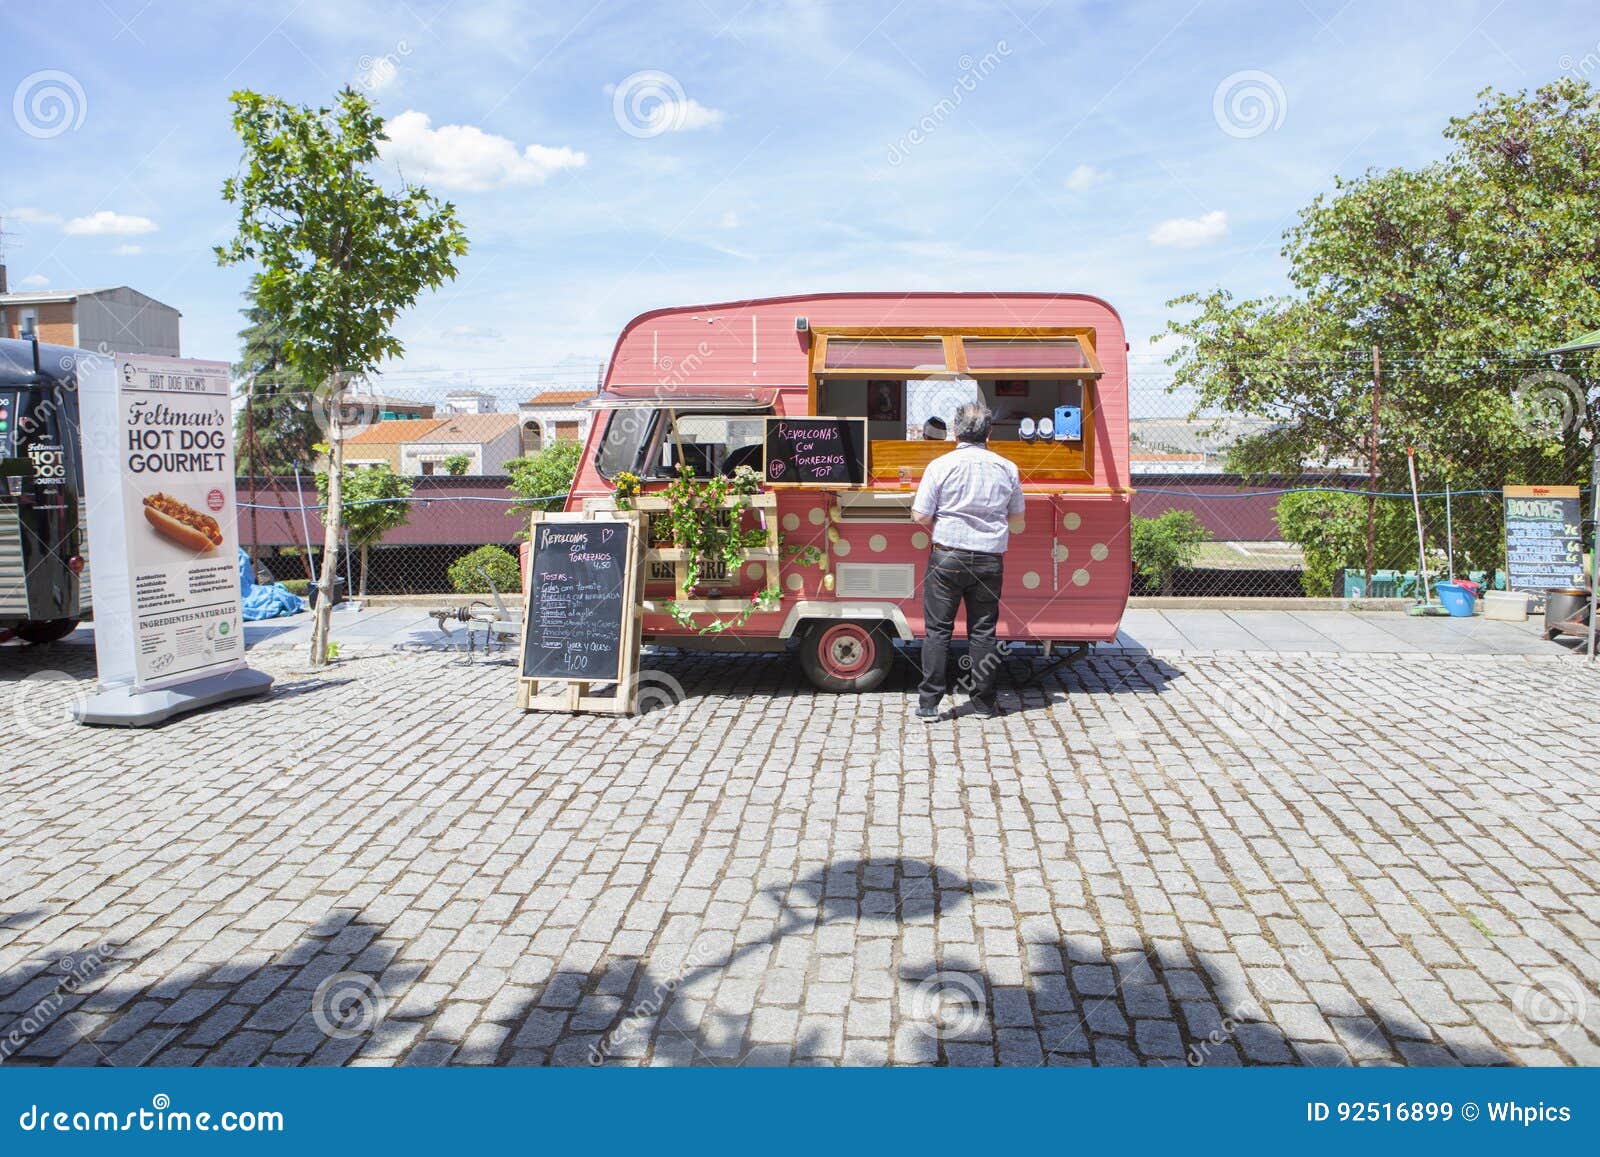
627 433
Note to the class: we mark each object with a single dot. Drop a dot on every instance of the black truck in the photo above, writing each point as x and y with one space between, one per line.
44 539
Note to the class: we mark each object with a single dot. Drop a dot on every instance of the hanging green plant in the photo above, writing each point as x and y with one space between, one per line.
703 523
763 601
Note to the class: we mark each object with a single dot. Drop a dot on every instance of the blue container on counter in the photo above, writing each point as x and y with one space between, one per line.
1069 423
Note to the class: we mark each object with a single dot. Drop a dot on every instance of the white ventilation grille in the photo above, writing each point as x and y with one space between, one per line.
13 577
881 580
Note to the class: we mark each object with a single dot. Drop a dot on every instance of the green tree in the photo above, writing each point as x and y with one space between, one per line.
1163 546
457 464
1460 272
543 479
277 402
339 257
373 500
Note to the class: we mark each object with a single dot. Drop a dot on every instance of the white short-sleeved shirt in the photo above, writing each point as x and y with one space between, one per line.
970 493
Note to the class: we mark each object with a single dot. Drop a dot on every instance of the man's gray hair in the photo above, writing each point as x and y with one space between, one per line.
972 421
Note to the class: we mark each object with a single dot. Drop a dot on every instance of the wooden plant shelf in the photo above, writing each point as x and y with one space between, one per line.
698 606
680 554
649 505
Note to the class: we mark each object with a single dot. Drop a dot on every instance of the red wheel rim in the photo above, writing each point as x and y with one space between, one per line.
845 650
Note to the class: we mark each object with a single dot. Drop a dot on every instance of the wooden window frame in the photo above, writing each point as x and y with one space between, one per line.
904 460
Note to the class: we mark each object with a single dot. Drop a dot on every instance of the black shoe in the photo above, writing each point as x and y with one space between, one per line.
986 710
929 714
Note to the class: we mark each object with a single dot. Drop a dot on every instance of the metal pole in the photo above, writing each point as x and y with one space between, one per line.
305 525
1372 472
1449 536
1594 557
1416 502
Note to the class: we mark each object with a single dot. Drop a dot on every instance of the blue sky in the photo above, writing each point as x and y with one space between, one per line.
613 158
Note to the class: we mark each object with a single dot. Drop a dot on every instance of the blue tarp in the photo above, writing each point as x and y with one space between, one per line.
264 602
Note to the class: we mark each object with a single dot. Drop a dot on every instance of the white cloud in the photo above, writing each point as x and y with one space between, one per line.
105 223
34 281
1189 232
128 250
650 103
1086 177
466 157
729 220
687 114
31 216
472 334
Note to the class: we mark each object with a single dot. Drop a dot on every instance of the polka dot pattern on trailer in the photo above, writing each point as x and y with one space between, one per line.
842 547
754 571
1099 551
791 521
1059 552
920 540
1080 577
1031 580
877 544
817 516
794 582
1072 520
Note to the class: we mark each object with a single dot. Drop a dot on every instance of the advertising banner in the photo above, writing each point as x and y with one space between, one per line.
158 472
178 508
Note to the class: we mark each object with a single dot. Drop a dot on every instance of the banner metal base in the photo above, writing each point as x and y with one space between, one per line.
125 707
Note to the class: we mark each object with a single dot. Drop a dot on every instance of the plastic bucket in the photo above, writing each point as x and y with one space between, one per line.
1457 599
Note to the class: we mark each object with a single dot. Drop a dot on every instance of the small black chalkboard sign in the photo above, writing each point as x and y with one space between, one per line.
816 451
578 595
1544 550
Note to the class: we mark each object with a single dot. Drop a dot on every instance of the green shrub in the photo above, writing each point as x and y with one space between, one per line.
294 586
1163 546
499 562
457 464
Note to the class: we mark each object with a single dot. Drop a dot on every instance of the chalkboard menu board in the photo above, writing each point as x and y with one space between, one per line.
579 590
1543 538
817 451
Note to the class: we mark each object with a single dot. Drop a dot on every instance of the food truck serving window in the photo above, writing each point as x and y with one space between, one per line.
711 444
1039 382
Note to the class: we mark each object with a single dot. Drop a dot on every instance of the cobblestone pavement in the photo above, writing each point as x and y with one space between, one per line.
1214 859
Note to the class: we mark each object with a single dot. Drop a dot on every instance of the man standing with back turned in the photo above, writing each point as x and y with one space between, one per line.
965 501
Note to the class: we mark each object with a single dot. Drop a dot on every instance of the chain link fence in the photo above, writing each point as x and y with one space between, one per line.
461 447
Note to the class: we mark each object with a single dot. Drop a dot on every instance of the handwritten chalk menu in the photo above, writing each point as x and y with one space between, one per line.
578 593
1543 537
817 451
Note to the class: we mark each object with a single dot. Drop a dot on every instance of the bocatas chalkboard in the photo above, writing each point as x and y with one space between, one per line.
580 603
1544 549
816 451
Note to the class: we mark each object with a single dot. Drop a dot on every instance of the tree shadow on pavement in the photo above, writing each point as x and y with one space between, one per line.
861 961
103 1003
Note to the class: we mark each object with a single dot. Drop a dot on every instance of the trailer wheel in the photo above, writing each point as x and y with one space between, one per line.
47 630
846 656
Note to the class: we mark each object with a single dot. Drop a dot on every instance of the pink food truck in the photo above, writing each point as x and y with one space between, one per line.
838 401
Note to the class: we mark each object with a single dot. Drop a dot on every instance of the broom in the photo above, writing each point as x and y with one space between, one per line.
1426 606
